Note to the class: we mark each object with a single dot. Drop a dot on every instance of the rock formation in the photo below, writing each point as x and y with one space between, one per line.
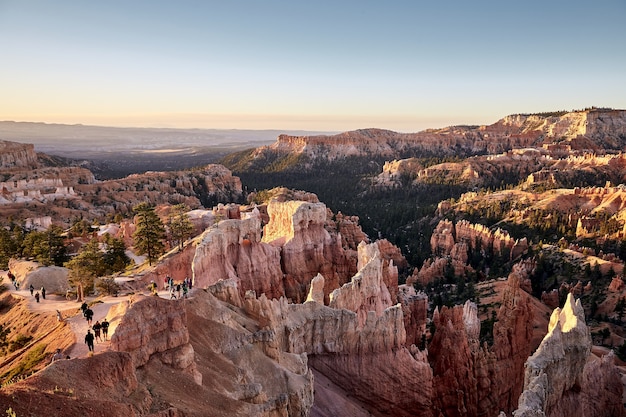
294 248
15 155
563 379
585 130
451 244
471 379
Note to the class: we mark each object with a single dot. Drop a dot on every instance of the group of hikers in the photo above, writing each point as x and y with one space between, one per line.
98 328
176 288
43 292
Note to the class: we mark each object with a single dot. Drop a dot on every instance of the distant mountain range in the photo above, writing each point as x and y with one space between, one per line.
116 151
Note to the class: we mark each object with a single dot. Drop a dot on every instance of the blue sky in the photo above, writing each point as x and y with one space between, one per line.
341 65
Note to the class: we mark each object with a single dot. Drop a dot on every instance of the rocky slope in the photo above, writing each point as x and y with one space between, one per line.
578 130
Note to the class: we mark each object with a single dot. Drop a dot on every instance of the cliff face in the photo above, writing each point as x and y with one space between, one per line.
15 155
582 129
155 329
295 248
562 378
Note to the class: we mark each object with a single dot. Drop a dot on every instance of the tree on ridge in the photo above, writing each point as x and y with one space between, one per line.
149 232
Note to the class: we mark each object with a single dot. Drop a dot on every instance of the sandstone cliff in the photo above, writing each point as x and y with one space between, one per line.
589 129
15 155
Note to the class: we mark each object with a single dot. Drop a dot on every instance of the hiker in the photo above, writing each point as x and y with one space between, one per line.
31 289
105 328
89 340
89 315
59 316
37 296
43 292
166 282
172 293
153 287
178 290
58 355
96 329
84 308
184 289
11 276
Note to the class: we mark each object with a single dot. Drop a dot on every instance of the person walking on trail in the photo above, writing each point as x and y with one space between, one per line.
96 330
89 315
59 316
57 356
172 293
32 289
105 329
84 308
43 293
37 296
89 340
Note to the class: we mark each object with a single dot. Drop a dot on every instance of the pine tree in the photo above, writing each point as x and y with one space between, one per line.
115 257
180 226
149 232
46 247
85 267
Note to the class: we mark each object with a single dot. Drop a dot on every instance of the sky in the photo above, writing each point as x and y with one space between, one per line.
310 65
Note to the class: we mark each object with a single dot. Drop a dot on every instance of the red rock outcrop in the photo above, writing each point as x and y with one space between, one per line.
616 285
156 329
471 379
451 244
76 193
551 299
294 248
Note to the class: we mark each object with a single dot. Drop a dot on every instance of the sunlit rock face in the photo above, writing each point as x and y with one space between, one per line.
154 328
17 155
586 129
562 378
279 260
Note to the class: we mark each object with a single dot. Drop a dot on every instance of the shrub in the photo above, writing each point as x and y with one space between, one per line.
108 286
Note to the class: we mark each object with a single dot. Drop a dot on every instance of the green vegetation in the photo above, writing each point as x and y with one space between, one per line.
107 286
400 215
179 225
92 262
26 365
150 232
45 247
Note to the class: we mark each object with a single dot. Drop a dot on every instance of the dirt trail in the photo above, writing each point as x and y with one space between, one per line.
71 313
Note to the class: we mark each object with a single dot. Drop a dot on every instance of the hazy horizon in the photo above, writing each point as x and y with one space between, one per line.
323 66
